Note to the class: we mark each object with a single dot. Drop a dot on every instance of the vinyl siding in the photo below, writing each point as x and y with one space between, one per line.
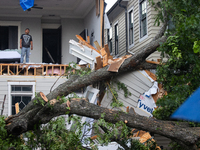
137 84
138 43
42 84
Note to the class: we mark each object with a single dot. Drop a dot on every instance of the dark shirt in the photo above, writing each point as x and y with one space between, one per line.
26 40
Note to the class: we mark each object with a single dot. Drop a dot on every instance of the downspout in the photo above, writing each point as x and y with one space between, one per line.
125 8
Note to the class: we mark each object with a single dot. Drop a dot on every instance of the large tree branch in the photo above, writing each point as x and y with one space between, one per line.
187 135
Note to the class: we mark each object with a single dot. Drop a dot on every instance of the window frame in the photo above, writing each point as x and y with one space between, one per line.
13 23
19 83
141 38
132 44
116 39
110 39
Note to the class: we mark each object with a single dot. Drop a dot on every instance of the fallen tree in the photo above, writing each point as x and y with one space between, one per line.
39 111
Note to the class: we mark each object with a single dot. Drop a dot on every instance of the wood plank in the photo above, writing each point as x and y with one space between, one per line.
17 69
82 41
8 69
17 108
88 39
97 45
34 72
107 50
99 63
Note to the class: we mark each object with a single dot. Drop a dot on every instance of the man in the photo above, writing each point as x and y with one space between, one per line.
25 43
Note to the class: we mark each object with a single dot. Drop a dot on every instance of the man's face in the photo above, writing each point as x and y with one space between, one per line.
27 31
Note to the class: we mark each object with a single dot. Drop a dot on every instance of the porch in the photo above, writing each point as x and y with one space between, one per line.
33 69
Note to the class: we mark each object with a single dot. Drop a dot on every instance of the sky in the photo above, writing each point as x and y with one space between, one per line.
110 3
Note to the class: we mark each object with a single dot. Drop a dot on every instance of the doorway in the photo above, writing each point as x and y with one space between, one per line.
51 46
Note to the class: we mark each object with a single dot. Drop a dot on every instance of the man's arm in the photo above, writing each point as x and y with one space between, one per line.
20 43
31 45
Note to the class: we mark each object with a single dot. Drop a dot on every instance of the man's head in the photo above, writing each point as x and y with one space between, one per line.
27 30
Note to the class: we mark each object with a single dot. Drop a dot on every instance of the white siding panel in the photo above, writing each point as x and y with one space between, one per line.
42 84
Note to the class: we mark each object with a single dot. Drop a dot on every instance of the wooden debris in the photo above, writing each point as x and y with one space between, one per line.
105 57
97 45
17 108
153 62
127 109
99 63
44 97
82 41
114 67
88 39
152 75
94 137
160 93
107 50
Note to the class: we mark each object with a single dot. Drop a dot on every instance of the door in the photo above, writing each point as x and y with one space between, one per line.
51 46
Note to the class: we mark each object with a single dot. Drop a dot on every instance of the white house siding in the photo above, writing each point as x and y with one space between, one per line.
70 28
42 84
137 84
92 23
138 43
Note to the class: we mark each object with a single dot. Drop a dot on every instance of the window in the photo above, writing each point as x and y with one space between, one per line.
8 37
20 92
116 40
130 19
143 18
109 33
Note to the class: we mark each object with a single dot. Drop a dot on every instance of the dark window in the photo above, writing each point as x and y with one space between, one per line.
116 40
8 37
21 94
143 18
109 33
130 27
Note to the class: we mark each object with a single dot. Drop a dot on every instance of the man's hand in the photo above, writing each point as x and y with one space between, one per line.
20 47
31 47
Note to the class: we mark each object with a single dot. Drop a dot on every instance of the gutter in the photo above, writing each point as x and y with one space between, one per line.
125 8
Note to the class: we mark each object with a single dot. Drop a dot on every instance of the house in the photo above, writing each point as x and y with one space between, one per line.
52 24
132 26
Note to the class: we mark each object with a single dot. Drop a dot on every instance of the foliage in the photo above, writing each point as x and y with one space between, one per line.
179 74
72 69
112 88
7 141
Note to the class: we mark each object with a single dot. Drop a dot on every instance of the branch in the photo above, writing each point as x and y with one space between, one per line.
187 135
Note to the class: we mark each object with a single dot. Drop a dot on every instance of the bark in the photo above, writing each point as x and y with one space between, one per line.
183 134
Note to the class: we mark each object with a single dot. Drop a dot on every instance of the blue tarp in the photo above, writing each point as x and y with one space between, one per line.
26 4
190 109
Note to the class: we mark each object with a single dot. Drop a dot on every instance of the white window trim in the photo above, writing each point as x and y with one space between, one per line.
13 23
9 92
89 89
130 46
144 37
116 23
